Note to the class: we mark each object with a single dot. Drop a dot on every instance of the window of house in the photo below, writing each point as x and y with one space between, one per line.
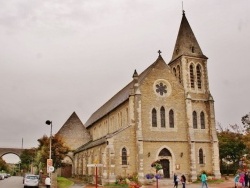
154 118
198 72
191 69
201 156
194 120
163 117
202 118
171 118
124 156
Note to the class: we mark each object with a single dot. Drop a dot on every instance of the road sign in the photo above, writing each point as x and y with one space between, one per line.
94 165
51 169
49 164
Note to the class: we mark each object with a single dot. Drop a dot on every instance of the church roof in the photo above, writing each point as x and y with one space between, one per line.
91 144
73 118
186 43
73 126
118 98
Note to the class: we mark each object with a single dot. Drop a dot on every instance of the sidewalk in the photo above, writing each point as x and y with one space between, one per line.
168 184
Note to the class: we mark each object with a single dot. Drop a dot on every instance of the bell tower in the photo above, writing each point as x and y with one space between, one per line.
189 65
188 62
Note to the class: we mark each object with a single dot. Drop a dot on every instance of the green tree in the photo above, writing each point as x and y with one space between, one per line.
246 122
231 147
3 165
27 158
58 151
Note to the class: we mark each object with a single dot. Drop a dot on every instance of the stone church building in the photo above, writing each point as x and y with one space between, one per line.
165 114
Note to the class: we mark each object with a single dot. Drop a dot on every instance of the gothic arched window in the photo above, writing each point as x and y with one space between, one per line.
202 118
179 73
201 156
198 74
163 124
194 120
174 70
124 156
171 118
154 118
191 69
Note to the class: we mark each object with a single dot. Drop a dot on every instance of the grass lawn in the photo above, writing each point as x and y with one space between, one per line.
64 182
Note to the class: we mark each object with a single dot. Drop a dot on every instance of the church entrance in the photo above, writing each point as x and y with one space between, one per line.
165 155
165 166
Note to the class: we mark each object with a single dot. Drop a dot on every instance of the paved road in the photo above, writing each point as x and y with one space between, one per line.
12 182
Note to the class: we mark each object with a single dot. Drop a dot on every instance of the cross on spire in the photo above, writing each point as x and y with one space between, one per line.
159 52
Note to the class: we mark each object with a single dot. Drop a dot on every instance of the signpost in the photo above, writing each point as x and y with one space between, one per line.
95 165
50 167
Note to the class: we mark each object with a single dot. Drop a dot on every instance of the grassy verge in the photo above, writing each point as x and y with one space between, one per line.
64 182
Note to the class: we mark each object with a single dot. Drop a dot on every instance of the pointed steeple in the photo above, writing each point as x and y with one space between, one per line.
73 132
186 43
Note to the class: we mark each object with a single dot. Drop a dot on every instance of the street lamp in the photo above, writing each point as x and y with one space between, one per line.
48 122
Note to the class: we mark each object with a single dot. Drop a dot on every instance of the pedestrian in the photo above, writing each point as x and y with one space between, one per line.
246 179
47 182
203 179
242 179
236 180
183 181
176 180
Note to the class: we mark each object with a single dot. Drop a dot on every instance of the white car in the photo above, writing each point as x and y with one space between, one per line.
1 176
31 180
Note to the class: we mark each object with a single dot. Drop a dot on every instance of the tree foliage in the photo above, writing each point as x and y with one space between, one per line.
246 122
58 151
231 146
3 165
234 144
27 157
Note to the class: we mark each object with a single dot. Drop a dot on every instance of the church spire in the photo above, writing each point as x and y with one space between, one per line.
186 43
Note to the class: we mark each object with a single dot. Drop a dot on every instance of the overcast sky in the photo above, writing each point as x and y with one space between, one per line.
61 56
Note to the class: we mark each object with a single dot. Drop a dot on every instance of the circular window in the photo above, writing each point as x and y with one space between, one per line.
162 88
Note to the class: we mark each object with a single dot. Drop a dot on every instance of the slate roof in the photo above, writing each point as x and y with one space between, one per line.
91 144
118 98
186 43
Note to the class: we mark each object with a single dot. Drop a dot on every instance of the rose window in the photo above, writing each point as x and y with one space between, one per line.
160 88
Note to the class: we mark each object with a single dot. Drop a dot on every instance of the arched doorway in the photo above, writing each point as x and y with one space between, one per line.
164 156
66 168
165 167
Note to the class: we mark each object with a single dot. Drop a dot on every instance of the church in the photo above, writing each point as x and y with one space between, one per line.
165 114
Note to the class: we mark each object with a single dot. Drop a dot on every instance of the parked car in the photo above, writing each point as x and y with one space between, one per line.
31 180
4 175
1 176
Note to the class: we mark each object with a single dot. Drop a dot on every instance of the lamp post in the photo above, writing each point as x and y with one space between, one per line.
48 122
